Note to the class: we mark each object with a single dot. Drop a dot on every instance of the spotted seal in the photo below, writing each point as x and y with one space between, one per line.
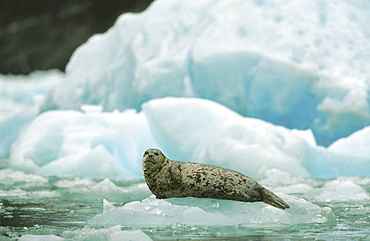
175 179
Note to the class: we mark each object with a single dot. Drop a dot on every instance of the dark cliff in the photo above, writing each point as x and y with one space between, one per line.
42 34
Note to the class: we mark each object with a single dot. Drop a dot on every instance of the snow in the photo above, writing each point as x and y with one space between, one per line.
301 65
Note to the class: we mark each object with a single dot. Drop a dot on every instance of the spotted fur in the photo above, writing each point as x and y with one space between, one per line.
170 179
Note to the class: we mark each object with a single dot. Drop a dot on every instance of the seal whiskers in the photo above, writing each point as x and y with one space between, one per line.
169 179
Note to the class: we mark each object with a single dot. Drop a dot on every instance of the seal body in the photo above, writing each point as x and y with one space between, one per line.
176 179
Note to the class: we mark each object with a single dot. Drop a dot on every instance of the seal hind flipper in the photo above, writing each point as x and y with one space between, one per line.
272 199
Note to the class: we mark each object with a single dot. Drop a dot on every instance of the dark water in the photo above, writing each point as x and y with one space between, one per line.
46 208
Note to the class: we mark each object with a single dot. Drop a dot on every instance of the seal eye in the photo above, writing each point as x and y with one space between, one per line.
145 153
157 154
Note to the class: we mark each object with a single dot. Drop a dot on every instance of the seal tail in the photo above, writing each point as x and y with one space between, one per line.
272 199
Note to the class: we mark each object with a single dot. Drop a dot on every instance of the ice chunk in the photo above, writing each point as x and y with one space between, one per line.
43 194
88 189
75 183
11 177
203 131
107 206
92 144
19 193
13 193
279 181
20 98
107 189
112 234
30 237
130 235
355 146
339 190
152 212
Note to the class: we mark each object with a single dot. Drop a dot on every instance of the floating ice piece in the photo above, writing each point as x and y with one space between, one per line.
339 190
30 237
112 234
12 177
152 212
77 183
13 193
19 193
85 188
280 181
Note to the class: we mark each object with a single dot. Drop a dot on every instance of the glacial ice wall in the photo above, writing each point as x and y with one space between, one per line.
301 65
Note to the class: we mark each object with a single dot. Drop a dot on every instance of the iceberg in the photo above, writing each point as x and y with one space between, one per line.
302 65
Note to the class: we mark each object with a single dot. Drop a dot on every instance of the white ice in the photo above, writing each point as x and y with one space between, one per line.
20 98
87 233
31 237
88 189
92 144
111 234
152 212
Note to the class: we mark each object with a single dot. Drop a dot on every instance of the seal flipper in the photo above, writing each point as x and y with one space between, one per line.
272 199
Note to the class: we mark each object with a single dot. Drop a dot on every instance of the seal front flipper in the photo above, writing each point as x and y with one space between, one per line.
175 172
